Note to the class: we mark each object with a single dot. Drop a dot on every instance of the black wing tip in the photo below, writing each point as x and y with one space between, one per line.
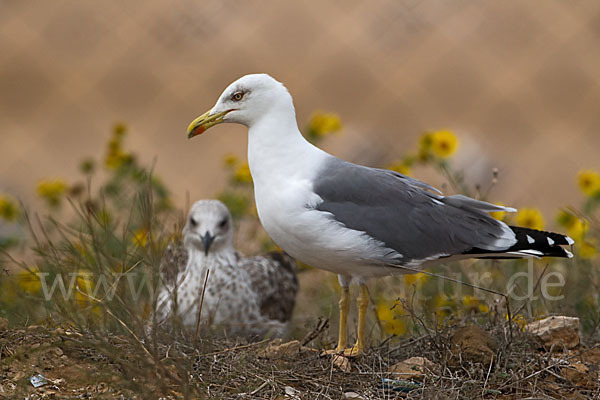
531 243
537 235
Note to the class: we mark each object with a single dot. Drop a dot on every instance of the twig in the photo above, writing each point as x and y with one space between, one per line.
416 270
535 287
132 334
200 308
317 330
487 376
549 366
258 389
235 348
119 278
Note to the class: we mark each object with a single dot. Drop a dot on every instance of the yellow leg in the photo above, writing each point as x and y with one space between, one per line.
362 302
344 309
342 335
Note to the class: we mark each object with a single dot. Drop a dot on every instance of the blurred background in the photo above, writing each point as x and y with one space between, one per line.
517 82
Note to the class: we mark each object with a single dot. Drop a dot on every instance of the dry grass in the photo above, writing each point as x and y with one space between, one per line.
92 365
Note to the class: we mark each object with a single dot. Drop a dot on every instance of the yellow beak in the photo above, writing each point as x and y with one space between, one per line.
205 121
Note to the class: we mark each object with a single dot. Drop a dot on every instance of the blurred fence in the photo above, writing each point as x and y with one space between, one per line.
517 81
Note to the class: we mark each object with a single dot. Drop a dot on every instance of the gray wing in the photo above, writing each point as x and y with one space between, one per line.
398 211
273 278
172 263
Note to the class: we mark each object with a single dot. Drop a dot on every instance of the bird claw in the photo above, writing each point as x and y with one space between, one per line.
353 351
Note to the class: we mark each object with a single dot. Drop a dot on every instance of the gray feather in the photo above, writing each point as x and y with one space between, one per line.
467 203
397 211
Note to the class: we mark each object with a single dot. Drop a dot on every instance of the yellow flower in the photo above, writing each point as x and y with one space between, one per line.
589 182
443 143
519 320
473 304
578 229
588 250
140 237
242 174
230 160
400 166
415 279
115 156
9 210
499 215
29 281
391 319
530 218
443 307
52 190
321 124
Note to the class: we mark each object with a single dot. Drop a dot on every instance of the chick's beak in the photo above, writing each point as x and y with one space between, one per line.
207 240
205 121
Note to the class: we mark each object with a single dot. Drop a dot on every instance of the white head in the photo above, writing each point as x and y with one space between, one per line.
245 102
208 227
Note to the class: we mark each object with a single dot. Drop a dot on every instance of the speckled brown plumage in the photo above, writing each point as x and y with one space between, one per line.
250 297
273 277
173 262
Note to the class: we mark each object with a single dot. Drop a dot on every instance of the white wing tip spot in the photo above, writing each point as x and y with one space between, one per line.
569 240
550 241
569 254
530 240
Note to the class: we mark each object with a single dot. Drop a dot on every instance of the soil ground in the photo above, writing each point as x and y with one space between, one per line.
468 362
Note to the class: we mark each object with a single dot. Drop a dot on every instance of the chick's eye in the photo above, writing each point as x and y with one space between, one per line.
193 222
237 96
223 223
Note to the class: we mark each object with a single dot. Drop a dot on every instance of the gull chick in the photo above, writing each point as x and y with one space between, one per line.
245 296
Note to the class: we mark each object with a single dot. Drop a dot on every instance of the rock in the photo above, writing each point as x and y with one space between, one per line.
414 368
353 395
579 374
473 344
340 362
59 331
277 349
3 324
291 393
591 356
556 332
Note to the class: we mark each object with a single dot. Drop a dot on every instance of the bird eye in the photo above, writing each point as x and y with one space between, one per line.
237 96
223 223
193 222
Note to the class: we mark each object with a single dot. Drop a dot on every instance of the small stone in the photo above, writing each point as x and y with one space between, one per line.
414 368
278 349
556 332
473 344
353 395
290 392
33 327
342 363
579 374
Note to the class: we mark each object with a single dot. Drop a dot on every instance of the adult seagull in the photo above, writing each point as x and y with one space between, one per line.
352 220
